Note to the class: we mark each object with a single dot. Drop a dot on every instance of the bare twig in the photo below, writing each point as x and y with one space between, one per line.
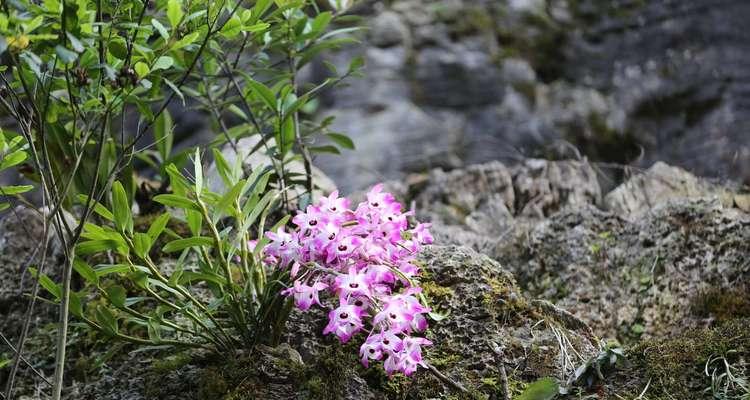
503 375
29 313
448 381
25 361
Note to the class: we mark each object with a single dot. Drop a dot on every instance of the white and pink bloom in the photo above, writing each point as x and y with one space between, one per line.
364 258
344 321
305 295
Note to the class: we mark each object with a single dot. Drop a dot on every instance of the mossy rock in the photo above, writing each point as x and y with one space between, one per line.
674 368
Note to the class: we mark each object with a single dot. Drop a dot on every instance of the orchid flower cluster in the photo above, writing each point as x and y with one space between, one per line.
364 258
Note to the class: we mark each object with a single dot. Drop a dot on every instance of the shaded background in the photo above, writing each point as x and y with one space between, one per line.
456 82
628 82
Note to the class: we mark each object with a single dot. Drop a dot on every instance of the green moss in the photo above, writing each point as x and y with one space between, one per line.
503 298
721 304
213 384
676 366
436 292
169 364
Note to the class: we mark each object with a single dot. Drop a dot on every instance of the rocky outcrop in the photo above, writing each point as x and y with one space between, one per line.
663 251
491 327
555 266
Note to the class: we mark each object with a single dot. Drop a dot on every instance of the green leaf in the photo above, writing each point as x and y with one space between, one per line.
232 27
176 90
65 55
325 149
121 208
320 22
222 166
341 140
173 200
230 198
154 330
198 172
86 272
160 28
163 135
11 190
100 246
98 208
286 136
13 159
541 389
181 244
157 227
264 93
118 48
77 45
106 319
163 62
194 221
4 206
174 12
186 40
106 269
117 295
141 69
50 286
142 244
189 276
75 304
356 64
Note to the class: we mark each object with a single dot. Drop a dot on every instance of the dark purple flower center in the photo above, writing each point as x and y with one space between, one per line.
332 236
354 285
376 204
342 247
386 342
372 351
312 222
343 315
358 303
393 316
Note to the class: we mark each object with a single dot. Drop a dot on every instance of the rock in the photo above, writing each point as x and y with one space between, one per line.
684 102
650 277
680 363
488 315
387 29
629 277
659 184
544 187
490 195
383 82
517 71
456 77
479 197
21 246
399 132
487 311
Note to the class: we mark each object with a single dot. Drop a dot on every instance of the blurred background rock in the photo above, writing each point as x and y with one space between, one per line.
623 82
451 83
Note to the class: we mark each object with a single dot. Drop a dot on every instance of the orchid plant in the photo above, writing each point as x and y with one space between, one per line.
364 260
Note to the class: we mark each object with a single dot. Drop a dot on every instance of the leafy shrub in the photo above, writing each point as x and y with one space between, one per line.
239 306
77 71
12 153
